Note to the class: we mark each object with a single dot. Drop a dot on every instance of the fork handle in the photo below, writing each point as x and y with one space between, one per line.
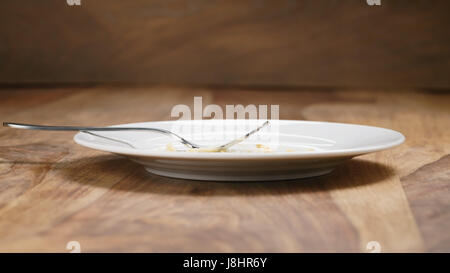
78 128
86 129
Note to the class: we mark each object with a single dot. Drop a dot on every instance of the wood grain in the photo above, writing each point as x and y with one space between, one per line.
53 191
257 42
430 202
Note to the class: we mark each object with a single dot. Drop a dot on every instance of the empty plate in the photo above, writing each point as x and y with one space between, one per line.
287 149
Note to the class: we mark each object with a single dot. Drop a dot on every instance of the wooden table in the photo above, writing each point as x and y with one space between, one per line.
53 191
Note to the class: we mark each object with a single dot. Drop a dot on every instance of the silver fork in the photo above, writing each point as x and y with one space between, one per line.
89 130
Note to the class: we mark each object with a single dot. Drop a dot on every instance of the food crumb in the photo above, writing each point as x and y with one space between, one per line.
169 147
265 149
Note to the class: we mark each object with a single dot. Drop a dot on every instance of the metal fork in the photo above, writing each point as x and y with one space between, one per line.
89 130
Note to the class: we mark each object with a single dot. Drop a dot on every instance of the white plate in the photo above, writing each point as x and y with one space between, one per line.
300 148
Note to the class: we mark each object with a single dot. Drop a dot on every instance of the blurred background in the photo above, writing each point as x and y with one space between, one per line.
342 43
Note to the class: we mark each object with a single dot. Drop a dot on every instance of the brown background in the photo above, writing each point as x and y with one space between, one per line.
401 43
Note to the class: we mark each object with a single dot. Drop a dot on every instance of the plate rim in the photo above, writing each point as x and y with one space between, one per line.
350 152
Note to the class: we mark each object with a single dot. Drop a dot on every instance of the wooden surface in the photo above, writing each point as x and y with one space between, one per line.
53 191
257 42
